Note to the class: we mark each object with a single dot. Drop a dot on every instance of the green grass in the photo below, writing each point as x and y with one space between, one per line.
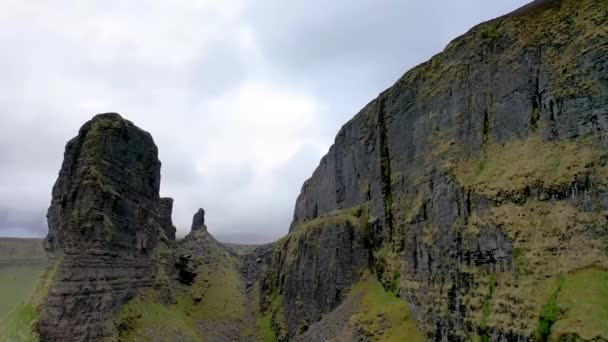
145 318
549 314
583 298
486 308
264 324
222 297
18 325
17 284
382 315
274 315
394 286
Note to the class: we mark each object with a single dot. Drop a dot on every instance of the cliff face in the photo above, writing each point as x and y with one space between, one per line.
312 271
540 71
105 221
483 173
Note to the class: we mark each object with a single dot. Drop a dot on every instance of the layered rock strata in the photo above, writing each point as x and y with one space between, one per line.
105 220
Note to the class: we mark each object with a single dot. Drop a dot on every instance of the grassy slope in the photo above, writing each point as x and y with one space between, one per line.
22 286
582 303
380 316
17 284
214 304
18 325
146 319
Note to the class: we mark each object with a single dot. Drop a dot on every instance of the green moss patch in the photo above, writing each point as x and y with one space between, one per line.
580 307
264 325
274 315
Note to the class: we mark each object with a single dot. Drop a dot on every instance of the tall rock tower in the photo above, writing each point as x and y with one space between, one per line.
105 219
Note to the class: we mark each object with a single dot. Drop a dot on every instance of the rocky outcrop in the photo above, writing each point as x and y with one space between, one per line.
166 222
198 248
105 220
463 162
198 221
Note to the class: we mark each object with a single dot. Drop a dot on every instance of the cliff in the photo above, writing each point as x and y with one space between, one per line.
104 224
479 179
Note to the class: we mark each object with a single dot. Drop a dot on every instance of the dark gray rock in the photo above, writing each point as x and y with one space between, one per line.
313 271
166 209
104 223
198 221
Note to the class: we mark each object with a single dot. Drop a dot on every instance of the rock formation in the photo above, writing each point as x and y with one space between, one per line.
197 248
482 176
198 221
105 220
207 292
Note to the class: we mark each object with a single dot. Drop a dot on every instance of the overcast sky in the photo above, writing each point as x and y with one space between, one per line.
241 97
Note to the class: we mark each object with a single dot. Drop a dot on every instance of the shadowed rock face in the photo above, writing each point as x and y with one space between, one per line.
105 220
166 208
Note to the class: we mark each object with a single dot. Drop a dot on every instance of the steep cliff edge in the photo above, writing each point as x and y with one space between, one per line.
483 175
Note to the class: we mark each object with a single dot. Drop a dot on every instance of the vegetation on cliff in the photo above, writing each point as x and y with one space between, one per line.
381 315
213 306
486 171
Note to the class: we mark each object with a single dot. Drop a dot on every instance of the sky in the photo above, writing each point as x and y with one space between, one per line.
242 98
